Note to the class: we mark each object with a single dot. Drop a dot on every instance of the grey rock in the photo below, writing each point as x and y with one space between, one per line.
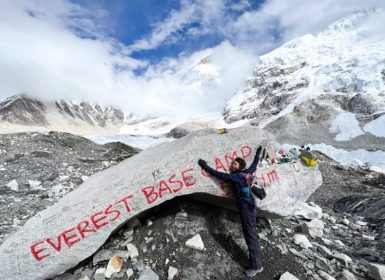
307 211
138 265
148 274
106 254
324 251
342 258
325 275
302 241
288 276
314 228
99 274
298 254
347 275
377 271
186 128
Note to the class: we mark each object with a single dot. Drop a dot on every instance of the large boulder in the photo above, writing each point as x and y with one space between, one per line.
71 230
188 127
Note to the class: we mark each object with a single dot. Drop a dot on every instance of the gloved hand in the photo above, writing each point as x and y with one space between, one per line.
202 163
259 150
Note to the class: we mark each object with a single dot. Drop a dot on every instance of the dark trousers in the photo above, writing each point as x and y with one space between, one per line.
248 220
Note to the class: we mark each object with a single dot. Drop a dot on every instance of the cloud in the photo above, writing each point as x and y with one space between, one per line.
57 49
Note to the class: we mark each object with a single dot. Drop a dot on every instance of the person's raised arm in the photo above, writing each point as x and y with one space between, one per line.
255 162
220 175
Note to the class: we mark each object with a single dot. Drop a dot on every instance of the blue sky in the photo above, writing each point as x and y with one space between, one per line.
140 55
130 21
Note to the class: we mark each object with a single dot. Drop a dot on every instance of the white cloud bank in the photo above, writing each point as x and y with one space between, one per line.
55 49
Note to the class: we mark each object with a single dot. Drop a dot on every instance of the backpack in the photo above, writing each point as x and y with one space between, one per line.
258 192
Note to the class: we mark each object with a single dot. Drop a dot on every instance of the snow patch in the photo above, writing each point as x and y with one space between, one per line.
375 160
376 127
346 126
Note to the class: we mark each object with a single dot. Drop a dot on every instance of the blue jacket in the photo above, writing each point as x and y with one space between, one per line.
238 182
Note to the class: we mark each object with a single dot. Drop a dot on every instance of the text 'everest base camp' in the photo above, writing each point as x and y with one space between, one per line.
69 231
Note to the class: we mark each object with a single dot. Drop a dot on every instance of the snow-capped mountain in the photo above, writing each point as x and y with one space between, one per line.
325 88
201 76
25 113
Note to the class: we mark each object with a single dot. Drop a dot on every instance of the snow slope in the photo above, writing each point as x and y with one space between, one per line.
334 77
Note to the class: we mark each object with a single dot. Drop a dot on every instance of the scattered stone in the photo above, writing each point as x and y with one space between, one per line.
342 258
132 251
129 273
134 223
84 277
367 237
283 248
361 223
326 241
128 233
99 274
298 254
369 252
332 220
339 243
308 211
114 266
139 265
322 264
13 185
34 184
195 242
302 241
325 276
345 221
84 178
324 251
172 271
288 276
314 228
347 275
148 274
377 271
106 254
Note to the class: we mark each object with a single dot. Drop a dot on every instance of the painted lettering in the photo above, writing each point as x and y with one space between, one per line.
219 165
115 212
150 194
83 228
37 252
70 237
163 187
172 180
98 221
124 200
188 179
246 152
57 245
229 159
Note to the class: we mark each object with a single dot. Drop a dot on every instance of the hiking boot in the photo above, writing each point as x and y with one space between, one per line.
251 272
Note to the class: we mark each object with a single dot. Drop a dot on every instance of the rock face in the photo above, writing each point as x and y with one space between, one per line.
22 112
320 88
64 234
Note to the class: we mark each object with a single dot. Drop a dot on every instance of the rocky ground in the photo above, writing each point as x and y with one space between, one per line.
335 242
38 169
341 241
